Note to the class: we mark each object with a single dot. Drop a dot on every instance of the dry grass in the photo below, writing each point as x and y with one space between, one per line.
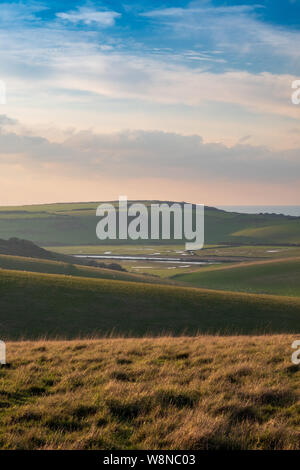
165 393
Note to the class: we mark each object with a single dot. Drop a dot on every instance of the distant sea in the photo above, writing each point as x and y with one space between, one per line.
286 210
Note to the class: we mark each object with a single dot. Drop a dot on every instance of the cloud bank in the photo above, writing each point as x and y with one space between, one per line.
156 154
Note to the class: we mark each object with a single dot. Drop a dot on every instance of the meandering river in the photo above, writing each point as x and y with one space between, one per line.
145 258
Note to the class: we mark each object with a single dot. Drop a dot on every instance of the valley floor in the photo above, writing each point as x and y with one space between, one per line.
206 392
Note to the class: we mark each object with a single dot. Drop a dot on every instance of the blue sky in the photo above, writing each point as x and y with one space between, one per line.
135 96
228 34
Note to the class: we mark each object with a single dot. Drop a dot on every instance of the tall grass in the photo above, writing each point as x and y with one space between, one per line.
205 392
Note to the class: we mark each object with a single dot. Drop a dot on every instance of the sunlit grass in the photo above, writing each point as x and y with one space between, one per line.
278 277
165 393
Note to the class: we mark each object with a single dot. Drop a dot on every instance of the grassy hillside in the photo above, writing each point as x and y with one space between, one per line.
278 277
20 263
18 247
272 234
34 305
26 248
203 393
260 229
75 224
133 271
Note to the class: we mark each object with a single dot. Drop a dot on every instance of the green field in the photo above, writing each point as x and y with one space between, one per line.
36 305
209 251
212 253
75 224
250 252
278 277
165 271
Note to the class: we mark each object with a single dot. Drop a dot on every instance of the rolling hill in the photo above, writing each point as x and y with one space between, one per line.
25 248
36 305
18 247
278 277
34 265
272 234
75 224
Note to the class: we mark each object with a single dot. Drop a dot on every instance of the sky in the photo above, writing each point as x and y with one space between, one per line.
172 100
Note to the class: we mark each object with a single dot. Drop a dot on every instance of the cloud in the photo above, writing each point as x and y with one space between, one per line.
144 154
62 62
237 30
6 121
244 139
87 77
153 80
16 12
89 16
180 12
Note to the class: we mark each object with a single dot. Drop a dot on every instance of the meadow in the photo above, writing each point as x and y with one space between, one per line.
233 252
279 277
201 393
35 305
214 254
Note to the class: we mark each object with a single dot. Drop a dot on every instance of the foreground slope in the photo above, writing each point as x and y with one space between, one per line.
278 277
165 393
34 305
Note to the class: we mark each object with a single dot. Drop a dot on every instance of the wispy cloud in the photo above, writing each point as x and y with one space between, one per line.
238 31
181 12
15 12
63 62
89 16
